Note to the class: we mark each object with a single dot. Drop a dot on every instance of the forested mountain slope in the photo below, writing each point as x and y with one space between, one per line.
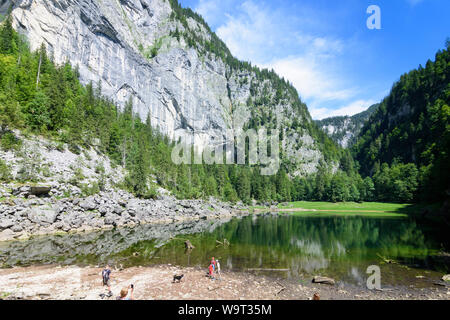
129 78
175 70
406 143
343 129
40 98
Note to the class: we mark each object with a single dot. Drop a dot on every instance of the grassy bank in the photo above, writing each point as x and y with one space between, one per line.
346 206
352 208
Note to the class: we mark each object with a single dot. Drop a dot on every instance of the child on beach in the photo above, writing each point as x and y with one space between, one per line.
211 269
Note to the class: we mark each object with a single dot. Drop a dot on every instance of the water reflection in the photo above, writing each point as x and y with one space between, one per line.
341 247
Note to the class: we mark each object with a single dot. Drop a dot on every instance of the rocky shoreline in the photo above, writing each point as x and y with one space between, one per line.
23 215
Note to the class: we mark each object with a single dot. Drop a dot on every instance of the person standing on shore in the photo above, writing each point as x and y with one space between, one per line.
213 262
106 275
211 269
218 269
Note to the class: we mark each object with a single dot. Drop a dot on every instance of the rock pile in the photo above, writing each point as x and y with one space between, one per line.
30 215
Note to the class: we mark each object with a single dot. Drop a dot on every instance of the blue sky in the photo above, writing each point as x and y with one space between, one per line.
324 47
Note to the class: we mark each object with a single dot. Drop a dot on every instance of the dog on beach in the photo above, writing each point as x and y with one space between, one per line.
177 278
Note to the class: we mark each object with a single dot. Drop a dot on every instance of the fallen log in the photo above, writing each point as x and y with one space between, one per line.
39 191
324 280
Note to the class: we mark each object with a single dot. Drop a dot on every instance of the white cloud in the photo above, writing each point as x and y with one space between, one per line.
251 33
313 80
256 34
310 61
348 110
212 10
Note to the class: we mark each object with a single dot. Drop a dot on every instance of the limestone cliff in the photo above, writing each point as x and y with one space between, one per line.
345 129
146 51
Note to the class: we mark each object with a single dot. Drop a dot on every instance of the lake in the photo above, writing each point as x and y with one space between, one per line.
338 246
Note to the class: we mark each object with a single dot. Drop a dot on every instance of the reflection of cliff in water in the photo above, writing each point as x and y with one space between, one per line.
95 247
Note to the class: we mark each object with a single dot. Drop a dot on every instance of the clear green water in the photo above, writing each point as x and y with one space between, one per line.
341 247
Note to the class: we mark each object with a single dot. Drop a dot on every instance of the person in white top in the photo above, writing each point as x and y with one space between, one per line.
218 267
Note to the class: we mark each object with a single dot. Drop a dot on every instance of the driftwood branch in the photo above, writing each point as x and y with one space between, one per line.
386 260
265 269
281 290
224 243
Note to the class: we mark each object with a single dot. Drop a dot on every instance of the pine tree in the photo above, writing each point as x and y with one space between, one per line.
8 37
243 186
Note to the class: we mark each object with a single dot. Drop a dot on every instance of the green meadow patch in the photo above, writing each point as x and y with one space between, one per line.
347 206
346 213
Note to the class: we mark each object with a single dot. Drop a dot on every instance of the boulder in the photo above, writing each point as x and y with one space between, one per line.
6 234
16 228
18 202
118 209
446 277
42 215
23 191
6 223
110 219
133 205
98 223
88 204
103 210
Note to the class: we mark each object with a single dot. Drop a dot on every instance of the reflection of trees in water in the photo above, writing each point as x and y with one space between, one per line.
304 244
315 243
337 246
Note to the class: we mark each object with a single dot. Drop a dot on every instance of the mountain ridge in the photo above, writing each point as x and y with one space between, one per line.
410 133
175 69
344 129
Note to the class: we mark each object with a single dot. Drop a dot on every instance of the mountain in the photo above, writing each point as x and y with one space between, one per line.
409 134
175 70
343 129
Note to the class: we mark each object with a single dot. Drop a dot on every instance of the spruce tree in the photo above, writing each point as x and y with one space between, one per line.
8 37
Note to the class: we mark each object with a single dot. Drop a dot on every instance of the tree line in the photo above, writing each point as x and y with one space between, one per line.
410 133
39 97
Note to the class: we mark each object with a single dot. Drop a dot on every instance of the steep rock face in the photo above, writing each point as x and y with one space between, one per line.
129 47
102 39
345 129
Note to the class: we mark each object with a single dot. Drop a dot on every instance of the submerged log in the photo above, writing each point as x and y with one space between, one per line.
385 259
324 280
265 269
188 245
225 243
